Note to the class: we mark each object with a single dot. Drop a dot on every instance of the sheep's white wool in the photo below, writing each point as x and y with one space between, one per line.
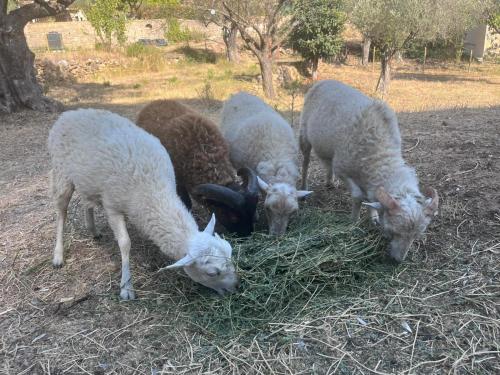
358 139
259 138
110 161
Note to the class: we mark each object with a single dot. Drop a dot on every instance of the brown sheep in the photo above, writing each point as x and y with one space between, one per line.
200 156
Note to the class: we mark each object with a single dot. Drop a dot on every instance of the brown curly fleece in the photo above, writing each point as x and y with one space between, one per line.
195 144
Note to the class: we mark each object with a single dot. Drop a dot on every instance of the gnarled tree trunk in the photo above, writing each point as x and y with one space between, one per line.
18 86
385 73
266 72
314 68
230 35
366 51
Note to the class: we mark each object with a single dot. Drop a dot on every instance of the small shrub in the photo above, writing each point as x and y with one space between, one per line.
136 50
176 33
210 74
172 80
228 74
106 84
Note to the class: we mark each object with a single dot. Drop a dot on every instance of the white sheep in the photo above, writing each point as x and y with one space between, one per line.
260 139
357 139
111 161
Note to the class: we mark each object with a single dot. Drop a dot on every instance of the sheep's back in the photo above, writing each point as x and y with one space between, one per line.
102 153
196 147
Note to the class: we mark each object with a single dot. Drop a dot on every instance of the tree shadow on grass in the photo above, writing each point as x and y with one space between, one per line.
439 78
199 55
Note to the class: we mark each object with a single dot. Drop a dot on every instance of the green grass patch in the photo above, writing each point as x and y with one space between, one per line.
323 257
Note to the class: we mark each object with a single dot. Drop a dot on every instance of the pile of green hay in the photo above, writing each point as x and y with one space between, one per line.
322 257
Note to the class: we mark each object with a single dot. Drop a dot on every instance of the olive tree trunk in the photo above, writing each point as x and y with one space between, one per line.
314 68
384 79
19 88
366 51
266 72
230 36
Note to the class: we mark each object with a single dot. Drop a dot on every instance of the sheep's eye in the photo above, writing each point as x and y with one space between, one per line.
213 273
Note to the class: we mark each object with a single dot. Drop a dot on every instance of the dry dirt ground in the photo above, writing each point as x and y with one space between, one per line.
72 321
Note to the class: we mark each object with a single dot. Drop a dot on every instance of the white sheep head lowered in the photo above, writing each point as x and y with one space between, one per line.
208 261
280 203
403 219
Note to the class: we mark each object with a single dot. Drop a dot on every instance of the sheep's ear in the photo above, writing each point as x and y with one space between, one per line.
186 261
210 226
262 184
431 208
375 205
303 193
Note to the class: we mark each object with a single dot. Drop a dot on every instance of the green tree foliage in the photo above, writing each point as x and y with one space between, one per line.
11 5
108 18
151 8
494 22
317 29
393 24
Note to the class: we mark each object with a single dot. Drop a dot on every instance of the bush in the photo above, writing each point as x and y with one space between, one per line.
176 33
439 49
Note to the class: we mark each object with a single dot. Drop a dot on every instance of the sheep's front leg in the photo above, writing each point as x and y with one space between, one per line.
374 216
117 224
305 147
62 192
357 198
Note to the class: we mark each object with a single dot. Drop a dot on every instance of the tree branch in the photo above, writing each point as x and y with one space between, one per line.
241 25
271 24
38 9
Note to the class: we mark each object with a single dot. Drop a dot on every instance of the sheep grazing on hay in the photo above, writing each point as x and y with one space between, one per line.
357 139
260 139
112 162
200 156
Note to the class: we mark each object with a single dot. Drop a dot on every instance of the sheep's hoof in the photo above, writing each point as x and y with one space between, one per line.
57 263
97 236
127 294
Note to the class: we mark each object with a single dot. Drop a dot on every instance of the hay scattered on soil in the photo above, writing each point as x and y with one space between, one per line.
322 257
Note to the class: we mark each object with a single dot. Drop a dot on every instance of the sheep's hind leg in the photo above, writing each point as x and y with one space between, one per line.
62 190
305 147
90 221
117 224
330 181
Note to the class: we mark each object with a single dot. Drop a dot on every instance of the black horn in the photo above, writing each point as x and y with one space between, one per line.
250 182
220 194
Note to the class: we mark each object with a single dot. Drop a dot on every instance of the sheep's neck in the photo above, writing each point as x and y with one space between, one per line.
167 222
397 178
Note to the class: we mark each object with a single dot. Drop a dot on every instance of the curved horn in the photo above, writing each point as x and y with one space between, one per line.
386 200
432 208
250 182
220 194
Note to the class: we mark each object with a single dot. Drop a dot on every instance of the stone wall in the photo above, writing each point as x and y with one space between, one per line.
80 34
